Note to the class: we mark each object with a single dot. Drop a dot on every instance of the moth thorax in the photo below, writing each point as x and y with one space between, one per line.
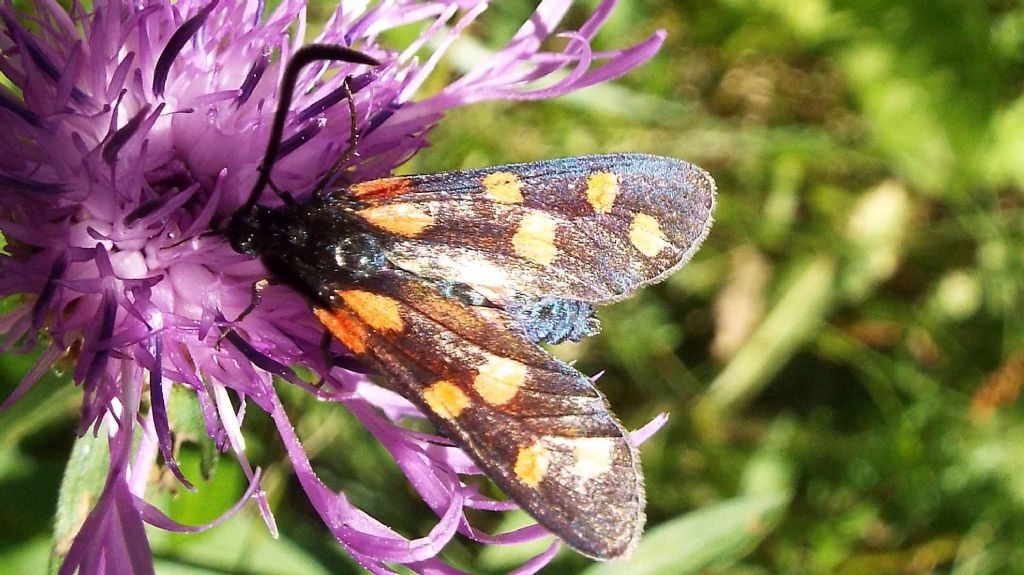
359 254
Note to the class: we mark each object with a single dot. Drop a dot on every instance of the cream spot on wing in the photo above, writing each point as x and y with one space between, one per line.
446 399
535 238
480 273
406 220
645 234
504 187
532 464
602 188
499 379
379 312
593 456
461 265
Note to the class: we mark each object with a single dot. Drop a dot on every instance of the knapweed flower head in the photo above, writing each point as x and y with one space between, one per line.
131 131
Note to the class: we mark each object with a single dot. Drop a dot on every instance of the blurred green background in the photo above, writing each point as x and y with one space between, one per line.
841 361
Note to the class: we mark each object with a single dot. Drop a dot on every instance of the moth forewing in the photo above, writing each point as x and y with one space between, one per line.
593 228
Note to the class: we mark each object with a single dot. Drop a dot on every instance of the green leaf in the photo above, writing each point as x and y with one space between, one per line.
27 557
186 421
506 557
795 318
242 545
79 490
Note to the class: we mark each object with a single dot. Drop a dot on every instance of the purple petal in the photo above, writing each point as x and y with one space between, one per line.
157 518
49 289
159 411
7 103
644 433
112 539
42 365
539 562
253 77
174 46
121 136
22 184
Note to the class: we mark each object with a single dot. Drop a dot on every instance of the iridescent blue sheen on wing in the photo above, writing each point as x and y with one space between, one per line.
554 320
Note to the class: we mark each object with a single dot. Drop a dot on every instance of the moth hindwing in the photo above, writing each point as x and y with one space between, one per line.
446 283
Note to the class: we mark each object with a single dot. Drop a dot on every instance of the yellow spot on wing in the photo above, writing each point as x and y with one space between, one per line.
602 188
344 327
503 187
499 379
446 399
593 456
645 234
379 312
532 464
535 238
406 220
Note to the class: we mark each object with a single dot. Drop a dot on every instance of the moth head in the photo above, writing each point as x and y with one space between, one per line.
245 229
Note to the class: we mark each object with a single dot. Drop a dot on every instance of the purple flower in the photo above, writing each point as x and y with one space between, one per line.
131 132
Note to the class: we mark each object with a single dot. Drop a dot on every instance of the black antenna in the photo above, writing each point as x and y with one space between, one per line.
353 139
303 57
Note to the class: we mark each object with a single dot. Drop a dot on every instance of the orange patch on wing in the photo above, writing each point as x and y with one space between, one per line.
379 312
499 380
503 187
382 188
446 399
602 188
532 464
645 234
344 328
406 220
535 238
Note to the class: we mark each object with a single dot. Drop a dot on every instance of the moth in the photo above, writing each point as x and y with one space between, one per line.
448 283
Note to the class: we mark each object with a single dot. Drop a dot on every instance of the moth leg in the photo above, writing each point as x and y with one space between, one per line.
285 196
257 296
349 363
325 350
344 361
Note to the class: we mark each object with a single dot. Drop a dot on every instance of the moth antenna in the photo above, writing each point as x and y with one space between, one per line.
303 57
353 139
